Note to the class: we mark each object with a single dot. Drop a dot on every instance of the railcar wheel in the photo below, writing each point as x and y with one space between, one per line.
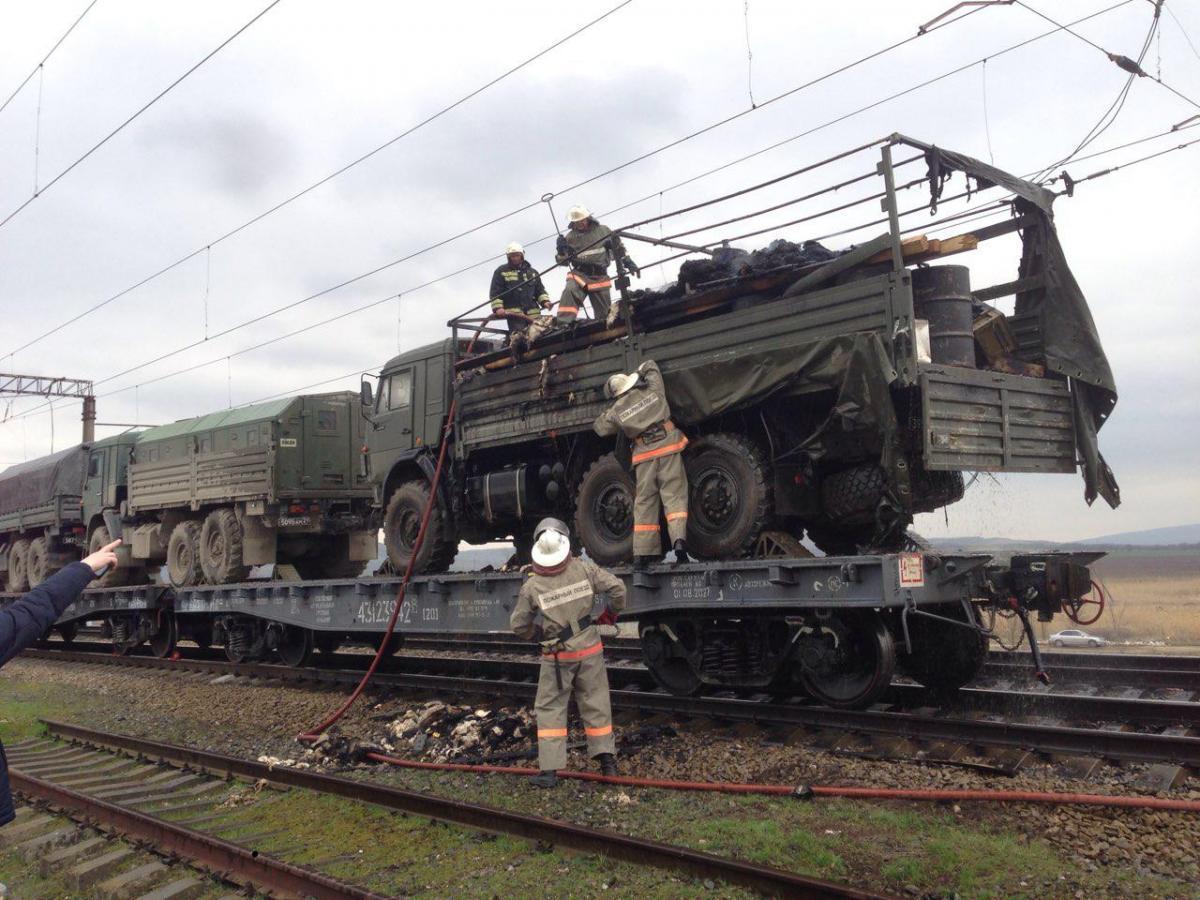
183 555
394 645
295 646
221 548
124 631
667 659
17 581
39 566
166 635
604 512
846 661
67 631
944 656
402 523
729 496
116 576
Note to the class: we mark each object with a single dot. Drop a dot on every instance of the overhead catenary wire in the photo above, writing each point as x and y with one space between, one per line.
153 100
504 216
49 53
445 241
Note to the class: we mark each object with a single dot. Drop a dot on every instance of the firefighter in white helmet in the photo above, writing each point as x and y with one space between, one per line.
517 295
589 248
640 411
563 589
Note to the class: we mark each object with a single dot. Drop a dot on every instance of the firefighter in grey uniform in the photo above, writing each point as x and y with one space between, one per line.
589 247
641 412
562 588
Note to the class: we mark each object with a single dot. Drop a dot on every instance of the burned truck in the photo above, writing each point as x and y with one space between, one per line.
826 394
274 483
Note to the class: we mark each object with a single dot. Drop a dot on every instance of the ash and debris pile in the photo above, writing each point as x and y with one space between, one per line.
443 732
733 262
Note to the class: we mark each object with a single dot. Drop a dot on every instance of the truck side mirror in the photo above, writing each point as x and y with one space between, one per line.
366 395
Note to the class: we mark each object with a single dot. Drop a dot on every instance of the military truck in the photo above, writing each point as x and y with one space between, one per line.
277 482
52 509
826 394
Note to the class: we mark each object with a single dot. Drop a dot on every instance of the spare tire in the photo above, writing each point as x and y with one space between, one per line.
851 496
729 496
604 512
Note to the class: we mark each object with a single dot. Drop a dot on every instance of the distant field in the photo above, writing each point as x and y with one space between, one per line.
1154 594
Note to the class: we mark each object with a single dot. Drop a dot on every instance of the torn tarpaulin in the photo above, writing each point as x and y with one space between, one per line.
1070 344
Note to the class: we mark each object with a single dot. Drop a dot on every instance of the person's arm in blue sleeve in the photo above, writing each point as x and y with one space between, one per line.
24 621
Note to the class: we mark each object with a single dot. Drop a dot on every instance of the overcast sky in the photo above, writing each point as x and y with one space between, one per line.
312 86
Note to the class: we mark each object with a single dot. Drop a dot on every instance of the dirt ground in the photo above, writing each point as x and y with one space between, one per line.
937 850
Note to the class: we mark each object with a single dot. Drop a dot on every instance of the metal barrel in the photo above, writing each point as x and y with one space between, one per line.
942 295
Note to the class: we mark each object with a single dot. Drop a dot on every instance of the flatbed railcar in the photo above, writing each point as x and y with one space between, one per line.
834 628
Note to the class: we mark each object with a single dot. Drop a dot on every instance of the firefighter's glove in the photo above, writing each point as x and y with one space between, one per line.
632 267
551 645
562 247
608 617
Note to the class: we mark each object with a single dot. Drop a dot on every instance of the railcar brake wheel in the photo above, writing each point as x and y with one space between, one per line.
1088 609
165 636
667 659
295 646
17 581
847 660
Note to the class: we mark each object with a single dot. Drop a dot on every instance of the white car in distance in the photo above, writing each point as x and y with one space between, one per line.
1073 637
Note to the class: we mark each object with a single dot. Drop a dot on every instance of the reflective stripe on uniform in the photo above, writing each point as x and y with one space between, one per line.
598 732
660 451
567 309
645 528
572 655
551 733
671 517
600 285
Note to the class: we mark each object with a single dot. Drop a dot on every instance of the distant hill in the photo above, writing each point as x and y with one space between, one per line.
1151 537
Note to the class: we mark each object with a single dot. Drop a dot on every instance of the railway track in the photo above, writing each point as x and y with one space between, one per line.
66 776
1166 733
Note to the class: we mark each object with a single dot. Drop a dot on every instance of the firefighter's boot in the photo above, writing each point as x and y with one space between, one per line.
608 763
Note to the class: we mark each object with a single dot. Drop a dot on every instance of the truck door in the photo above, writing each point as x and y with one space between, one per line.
394 415
93 490
327 465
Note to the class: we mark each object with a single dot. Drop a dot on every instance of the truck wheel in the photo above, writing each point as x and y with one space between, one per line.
604 512
729 496
402 522
38 565
183 555
221 548
851 495
18 567
116 576
944 656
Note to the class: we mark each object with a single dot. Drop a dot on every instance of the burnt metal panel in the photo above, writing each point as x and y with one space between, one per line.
994 422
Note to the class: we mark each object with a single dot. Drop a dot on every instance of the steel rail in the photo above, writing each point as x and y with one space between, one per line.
234 862
1044 738
764 879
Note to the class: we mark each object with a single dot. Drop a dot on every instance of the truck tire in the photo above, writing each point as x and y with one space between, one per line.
18 567
114 577
850 496
221 548
402 522
604 512
39 565
729 496
183 555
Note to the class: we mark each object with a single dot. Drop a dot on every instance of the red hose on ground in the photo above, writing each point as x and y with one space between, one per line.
787 790
312 734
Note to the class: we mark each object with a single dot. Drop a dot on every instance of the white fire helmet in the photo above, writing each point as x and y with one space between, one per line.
620 384
551 543
578 214
512 248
